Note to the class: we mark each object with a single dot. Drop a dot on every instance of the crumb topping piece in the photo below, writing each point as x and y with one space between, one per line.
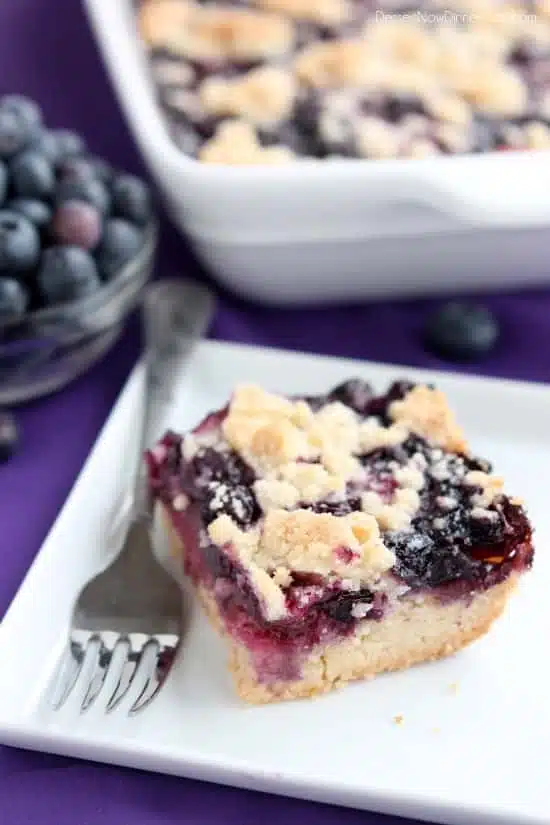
490 487
404 41
202 32
377 139
372 436
296 483
336 63
394 516
425 412
263 96
498 91
349 547
313 543
235 143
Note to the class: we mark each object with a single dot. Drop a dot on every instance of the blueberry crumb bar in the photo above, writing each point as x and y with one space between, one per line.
335 537
248 82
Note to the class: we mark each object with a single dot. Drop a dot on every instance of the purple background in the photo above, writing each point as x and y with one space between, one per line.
46 51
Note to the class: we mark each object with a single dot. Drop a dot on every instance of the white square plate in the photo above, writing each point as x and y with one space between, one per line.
474 742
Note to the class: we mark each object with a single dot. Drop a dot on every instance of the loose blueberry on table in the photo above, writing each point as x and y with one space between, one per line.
459 331
337 536
69 222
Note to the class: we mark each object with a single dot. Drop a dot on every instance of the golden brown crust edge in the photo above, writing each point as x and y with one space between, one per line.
418 631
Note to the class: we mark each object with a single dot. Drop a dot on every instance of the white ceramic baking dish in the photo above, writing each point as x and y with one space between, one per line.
320 231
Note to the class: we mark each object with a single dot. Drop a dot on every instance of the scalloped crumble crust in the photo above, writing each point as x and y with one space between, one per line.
335 537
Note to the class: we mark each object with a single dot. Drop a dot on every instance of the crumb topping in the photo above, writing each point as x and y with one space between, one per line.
235 143
498 91
202 32
537 135
373 436
425 411
394 516
264 429
261 471
449 108
403 41
490 487
278 437
308 542
486 61
264 96
410 476
269 431
336 63
376 138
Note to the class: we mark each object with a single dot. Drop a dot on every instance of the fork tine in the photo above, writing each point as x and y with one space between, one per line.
129 665
160 661
103 658
70 669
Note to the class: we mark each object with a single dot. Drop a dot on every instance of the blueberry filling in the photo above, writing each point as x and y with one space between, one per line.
450 549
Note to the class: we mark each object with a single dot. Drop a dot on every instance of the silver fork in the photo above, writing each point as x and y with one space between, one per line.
127 621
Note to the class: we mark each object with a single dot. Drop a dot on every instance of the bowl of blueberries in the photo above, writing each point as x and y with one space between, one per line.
77 244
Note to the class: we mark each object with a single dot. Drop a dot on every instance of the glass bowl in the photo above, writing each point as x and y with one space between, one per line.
50 347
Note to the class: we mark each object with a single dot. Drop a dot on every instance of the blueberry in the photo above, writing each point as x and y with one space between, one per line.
76 168
340 607
102 170
131 199
68 143
419 562
66 273
337 508
288 135
238 502
209 465
89 190
307 113
354 393
85 167
461 332
399 105
27 110
527 52
77 223
32 175
398 390
9 436
45 143
19 243
37 212
13 299
14 134
484 134
120 243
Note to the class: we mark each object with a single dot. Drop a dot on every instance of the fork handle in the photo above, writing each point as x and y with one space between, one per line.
176 315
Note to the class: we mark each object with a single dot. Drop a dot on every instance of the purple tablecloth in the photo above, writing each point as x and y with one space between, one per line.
46 51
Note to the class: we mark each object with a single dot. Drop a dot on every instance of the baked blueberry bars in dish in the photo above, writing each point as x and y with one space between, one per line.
273 81
335 537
